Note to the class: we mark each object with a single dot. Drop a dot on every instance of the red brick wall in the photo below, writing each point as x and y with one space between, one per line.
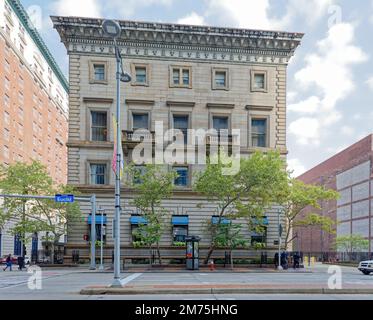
39 131
314 239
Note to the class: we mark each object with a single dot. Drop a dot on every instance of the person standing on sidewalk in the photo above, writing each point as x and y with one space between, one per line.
21 263
8 262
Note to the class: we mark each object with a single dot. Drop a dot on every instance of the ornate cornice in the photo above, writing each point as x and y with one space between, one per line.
24 18
174 41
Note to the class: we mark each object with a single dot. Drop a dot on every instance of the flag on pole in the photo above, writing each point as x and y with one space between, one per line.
115 153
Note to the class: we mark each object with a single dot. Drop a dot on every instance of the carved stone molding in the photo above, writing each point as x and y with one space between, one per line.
97 100
259 108
220 105
180 104
162 40
139 101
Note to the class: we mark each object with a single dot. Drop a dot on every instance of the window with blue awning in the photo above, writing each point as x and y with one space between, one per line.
215 219
263 221
98 219
135 220
180 220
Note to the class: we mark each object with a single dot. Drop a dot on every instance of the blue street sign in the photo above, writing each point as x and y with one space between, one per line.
64 198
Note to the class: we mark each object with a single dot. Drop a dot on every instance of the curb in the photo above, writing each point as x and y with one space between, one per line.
140 291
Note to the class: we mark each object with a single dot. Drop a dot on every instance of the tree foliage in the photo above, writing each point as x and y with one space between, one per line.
257 185
34 215
298 196
155 185
351 243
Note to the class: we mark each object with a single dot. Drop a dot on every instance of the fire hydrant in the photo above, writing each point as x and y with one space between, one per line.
212 265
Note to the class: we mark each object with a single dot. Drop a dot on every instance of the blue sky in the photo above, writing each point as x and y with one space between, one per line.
330 79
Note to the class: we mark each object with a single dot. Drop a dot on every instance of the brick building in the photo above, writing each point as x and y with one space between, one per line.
186 77
350 172
33 102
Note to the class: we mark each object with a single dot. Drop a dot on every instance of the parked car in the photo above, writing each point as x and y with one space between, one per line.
366 267
14 259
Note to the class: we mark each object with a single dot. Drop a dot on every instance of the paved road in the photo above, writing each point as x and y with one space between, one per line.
66 284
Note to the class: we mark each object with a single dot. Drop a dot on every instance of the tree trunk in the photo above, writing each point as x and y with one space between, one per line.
150 256
231 258
209 253
159 254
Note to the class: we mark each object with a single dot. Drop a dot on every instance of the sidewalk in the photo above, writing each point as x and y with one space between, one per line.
237 282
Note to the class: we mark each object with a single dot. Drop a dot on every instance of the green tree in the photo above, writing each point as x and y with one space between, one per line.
298 196
313 220
229 235
351 243
246 194
34 215
152 186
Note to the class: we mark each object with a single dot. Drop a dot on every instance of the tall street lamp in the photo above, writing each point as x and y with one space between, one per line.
113 30
279 240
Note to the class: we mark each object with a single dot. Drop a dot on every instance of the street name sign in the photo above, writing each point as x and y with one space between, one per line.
64 198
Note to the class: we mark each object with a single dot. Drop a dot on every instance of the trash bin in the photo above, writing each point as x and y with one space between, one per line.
192 252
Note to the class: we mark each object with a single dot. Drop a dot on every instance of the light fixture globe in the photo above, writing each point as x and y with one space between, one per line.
111 28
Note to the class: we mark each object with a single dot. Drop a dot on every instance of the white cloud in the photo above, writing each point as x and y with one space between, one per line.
306 130
256 14
193 19
310 105
347 130
82 8
296 166
369 82
329 72
127 8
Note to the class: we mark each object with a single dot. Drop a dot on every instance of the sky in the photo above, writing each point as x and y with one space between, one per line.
330 78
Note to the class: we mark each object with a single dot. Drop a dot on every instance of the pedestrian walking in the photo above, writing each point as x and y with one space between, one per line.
8 262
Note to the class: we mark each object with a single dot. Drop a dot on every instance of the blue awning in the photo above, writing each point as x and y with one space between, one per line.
263 221
138 220
180 220
214 220
98 219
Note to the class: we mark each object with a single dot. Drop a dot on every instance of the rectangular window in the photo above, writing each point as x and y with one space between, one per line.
98 173
259 237
99 72
259 132
22 49
181 77
220 123
99 125
258 81
185 77
181 122
140 121
179 233
6 100
6 152
220 79
140 75
139 171
182 176
6 134
6 117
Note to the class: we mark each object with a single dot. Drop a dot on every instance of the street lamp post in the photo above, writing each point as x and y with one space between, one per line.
279 240
101 239
113 30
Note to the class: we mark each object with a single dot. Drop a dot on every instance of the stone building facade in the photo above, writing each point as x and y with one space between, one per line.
350 173
185 76
34 104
